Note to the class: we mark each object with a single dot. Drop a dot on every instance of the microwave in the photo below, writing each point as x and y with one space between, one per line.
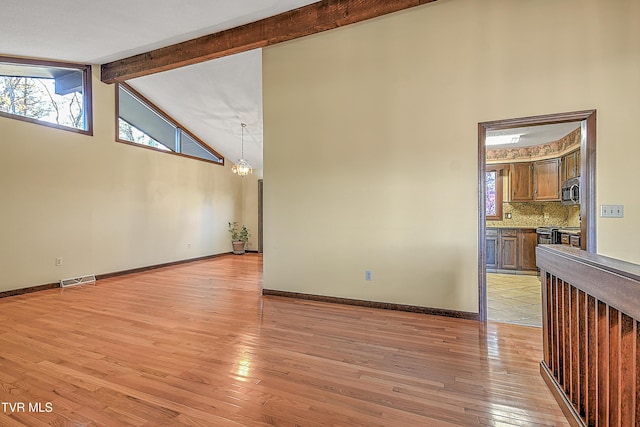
570 192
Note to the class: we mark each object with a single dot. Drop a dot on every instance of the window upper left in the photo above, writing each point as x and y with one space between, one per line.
50 93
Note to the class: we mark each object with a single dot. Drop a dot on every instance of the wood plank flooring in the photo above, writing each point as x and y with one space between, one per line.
198 345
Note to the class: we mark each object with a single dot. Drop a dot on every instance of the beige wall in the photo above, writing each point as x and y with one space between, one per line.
382 119
103 206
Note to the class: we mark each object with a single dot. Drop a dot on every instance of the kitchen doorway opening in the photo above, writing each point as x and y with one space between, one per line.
518 246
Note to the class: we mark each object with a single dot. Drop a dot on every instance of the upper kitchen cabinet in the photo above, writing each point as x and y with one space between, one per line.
535 181
546 180
521 182
570 167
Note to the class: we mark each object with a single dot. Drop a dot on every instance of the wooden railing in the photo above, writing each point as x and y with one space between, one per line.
591 309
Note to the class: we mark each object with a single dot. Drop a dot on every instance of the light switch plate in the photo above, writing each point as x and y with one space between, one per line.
611 211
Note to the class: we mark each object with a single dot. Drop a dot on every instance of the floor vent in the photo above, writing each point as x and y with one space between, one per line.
91 278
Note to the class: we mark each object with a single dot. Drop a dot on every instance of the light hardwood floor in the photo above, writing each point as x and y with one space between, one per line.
197 345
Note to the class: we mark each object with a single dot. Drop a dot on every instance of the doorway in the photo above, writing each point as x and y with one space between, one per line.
587 209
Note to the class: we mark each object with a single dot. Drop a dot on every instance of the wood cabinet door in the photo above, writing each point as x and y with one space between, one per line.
492 249
522 182
546 175
570 161
509 252
527 239
570 166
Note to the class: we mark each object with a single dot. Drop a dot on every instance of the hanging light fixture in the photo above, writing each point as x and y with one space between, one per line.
242 167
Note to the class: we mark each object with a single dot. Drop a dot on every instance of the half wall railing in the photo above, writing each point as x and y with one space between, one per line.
591 335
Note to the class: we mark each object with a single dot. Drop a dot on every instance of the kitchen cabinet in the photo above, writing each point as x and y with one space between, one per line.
546 180
527 242
521 182
511 249
492 251
570 167
508 249
535 181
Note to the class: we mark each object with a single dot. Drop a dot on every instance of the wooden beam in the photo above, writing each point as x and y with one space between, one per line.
304 21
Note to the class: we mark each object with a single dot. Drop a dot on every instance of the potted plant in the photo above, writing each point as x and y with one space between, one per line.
239 237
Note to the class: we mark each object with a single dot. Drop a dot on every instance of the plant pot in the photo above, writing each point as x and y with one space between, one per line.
238 247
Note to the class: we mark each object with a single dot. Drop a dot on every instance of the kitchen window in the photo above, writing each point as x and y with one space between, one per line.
493 192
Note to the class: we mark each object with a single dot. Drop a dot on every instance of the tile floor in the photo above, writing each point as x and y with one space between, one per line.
514 298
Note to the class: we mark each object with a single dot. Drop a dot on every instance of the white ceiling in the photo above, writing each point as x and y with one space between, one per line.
210 99
535 135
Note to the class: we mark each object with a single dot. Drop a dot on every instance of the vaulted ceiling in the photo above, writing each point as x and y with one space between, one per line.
179 51
211 97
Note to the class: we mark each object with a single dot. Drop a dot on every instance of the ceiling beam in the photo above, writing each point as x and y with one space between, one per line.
304 21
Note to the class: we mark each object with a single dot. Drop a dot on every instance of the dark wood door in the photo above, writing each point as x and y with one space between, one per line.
509 250
528 239
521 182
547 180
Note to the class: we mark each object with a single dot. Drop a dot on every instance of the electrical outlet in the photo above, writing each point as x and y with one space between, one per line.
58 262
611 211
546 215
368 275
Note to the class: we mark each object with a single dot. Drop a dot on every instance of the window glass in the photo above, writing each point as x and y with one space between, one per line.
136 113
49 93
191 147
131 133
493 191
141 122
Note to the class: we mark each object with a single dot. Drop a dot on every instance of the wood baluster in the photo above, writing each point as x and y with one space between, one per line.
627 371
567 338
592 361
556 329
574 353
614 367
603 365
583 360
560 310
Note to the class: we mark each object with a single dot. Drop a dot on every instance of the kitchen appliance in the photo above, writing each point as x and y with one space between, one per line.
548 235
570 192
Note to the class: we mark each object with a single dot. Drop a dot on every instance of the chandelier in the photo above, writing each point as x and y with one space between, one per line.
242 167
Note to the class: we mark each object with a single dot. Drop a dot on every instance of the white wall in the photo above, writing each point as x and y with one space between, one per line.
382 117
103 206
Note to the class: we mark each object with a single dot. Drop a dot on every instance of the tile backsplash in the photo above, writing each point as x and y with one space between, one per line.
529 214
